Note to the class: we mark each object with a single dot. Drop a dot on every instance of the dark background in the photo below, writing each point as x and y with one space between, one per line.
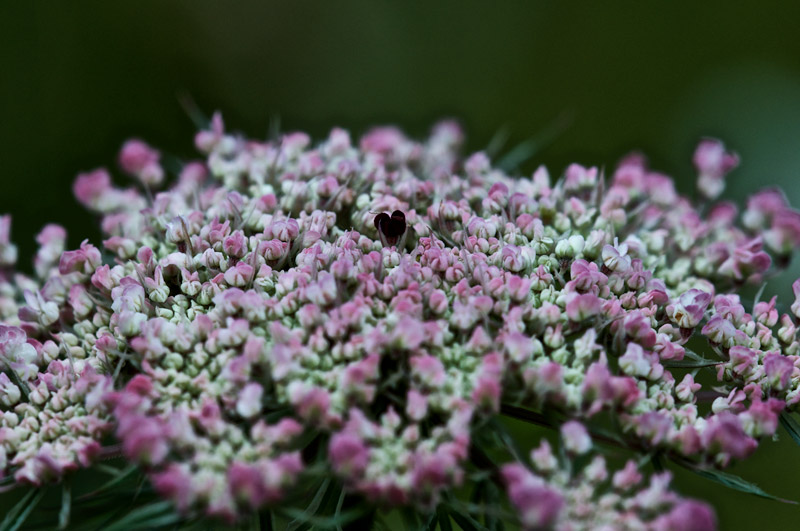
76 79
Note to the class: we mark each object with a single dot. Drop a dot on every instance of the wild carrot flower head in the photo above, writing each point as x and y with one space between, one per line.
385 302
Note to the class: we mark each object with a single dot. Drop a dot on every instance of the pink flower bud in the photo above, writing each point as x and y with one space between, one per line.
576 439
539 505
358 379
416 405
239 275
518 346
724 435
206 141
284 230
778 369
687 514
713 163
765 312
627 477
427 370
638 362
80 301
101 279
349 455
688 310
719 330
235 244
543 459
90 187
577 177
175 483
145 440
746 260
192 176
249 403
476 164
686 389
85 260
616 258
142 161
784 234
10 394
761 419
637 327
762 207
582 307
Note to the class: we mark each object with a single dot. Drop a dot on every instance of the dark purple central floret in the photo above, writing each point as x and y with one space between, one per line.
391 228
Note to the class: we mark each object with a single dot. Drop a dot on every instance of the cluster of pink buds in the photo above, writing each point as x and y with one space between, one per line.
380 302
558 495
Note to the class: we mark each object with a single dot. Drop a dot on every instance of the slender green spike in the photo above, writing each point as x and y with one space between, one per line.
20 512
326 522
312 508
525 150
757 298
432 522
142 515
12 514
791 425
735 482
198 118
444 519
466 522
339 508
691 364
497 142
66 505
119 477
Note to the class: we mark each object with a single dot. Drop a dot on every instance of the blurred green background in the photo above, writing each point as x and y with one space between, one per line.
76 79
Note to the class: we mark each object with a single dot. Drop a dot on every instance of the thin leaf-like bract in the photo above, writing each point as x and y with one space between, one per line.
326 522
66 505
20 512
735 482
110 484
444 519
691 364
791 425
467 522
147 516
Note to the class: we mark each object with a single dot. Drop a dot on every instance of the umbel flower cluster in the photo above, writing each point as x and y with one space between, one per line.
374 310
